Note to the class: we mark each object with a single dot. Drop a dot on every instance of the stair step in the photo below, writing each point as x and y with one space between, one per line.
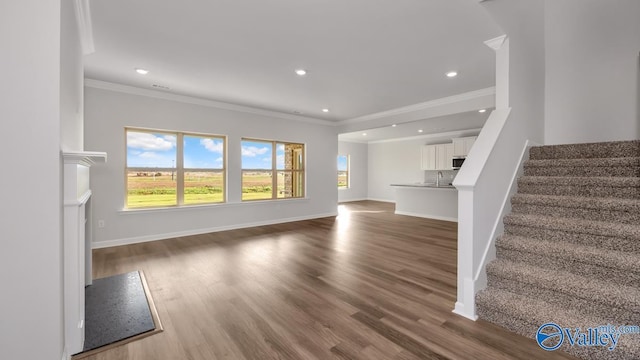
523 315
563 285
600 167
579 226
619 187
588 208
595 263
613 149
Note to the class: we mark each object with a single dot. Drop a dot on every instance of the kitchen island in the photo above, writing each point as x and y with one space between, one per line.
427 200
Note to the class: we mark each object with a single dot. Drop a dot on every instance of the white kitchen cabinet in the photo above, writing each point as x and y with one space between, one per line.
437 157
429 157
462 146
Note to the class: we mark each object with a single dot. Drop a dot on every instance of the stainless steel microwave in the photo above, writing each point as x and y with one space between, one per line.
456 162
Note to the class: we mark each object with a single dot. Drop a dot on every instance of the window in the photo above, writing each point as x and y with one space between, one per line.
173 168
343 171
272 170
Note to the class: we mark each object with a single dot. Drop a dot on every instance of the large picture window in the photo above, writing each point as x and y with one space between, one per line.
343 171
272 170
173 168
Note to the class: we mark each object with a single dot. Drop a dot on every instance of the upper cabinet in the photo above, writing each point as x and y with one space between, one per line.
462 146
437 157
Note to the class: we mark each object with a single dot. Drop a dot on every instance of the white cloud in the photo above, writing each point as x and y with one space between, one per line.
267 159
219 159
280 161
280 147
252 151
211 145
150 142
149 155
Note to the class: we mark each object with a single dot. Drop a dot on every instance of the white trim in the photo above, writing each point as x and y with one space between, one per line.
126 211
496 43
435 217
85 26
352 200
103 85
382 200
86 158
451 134
147 238
80 201
471 95
65 354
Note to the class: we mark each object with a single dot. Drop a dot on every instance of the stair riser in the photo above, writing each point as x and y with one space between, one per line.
605 242
526 329
591 271
624 217
582 171
591 191
612 295
558 299
586 151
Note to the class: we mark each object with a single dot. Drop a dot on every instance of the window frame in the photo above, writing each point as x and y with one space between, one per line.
179 168
274 170
348 171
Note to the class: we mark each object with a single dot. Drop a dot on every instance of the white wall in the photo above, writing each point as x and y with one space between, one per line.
71 81
358 182
108 112
592 70
30 261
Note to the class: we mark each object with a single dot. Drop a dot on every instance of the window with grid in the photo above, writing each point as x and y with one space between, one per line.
272 170
168 168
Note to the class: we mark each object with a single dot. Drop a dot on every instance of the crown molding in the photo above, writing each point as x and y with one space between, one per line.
85 26
104 85
496 43
423 106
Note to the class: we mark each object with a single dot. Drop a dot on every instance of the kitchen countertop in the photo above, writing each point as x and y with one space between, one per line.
426 185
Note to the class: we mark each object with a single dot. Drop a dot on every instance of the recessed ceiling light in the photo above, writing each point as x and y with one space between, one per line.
142 71
420 130
301 72
394 125
325 110
482 110
364 134
452 74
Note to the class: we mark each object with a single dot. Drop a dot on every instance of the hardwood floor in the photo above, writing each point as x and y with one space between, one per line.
365 285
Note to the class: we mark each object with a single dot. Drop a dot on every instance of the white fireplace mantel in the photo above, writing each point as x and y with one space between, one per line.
77 241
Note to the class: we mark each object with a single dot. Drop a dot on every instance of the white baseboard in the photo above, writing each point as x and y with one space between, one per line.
426 216
155 237
461 310
352 200
65 356
381 200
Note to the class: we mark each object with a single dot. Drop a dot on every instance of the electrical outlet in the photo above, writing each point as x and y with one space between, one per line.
100 223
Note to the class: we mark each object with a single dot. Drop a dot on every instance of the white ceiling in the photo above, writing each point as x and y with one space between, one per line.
363 56
442 127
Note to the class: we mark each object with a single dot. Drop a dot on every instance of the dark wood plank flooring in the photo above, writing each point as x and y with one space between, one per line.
365 285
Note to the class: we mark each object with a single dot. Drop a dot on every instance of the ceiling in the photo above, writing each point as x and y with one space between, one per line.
362 56
442 127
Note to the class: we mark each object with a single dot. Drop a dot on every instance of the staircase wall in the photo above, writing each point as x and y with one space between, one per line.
591 91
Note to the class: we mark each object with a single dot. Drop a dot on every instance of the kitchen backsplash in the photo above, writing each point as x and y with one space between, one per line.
447 176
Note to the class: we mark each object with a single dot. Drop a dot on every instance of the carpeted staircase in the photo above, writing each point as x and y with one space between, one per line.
570 252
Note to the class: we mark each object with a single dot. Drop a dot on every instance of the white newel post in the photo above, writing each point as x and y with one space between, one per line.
77 242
